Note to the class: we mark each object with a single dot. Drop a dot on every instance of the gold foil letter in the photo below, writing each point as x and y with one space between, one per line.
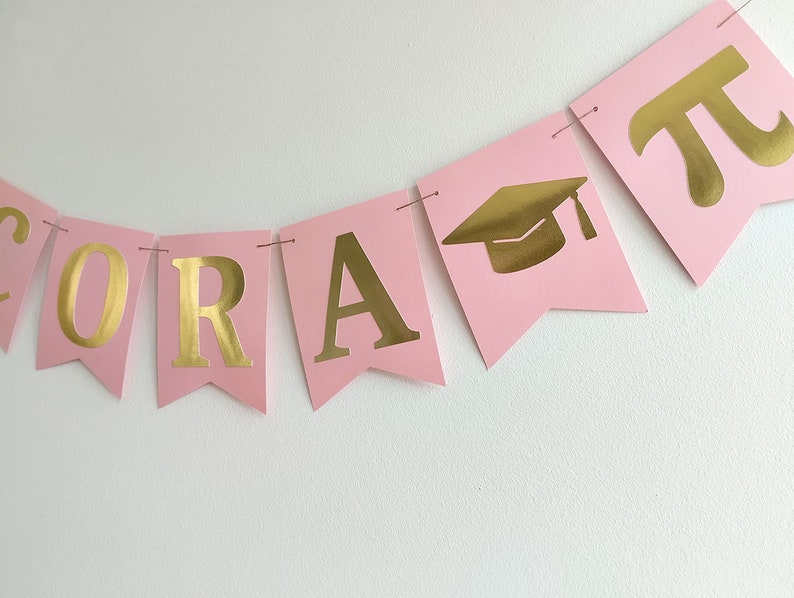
20 234
376 301
232 289
115 294
704 86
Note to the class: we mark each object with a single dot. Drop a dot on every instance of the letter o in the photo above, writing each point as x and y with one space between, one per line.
115 295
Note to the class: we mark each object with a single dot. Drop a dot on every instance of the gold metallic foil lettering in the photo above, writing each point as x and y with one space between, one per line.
376 301
115 294
232 289
704 86
20 234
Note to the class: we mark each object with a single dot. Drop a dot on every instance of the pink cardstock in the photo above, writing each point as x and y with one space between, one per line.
108 249
385 236
725 58
232 274
23 234
511 194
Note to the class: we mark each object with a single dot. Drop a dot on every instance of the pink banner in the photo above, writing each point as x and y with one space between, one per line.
358 297
698 126
23 234
522 230
92 291
212 294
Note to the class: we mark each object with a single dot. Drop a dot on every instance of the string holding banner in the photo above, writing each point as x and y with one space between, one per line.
55 226
421 199
578 119
733 14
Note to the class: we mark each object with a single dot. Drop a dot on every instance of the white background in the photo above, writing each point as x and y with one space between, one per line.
604 455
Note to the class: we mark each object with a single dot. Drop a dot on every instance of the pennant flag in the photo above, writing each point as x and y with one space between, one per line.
521 231
212 292
93 285
358 297
698 126
23 233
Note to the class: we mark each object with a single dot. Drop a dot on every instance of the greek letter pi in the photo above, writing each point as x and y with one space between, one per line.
704 86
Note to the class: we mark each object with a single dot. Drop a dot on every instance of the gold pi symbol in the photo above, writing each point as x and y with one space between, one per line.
518 226
704 86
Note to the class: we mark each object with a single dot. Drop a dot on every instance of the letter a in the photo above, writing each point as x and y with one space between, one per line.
704 86
376 301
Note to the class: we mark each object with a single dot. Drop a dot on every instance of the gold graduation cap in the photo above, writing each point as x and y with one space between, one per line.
517 224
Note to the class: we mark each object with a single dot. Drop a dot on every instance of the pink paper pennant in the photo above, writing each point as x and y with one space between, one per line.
358 297
91 296
212 294
522 230
23 234
698 126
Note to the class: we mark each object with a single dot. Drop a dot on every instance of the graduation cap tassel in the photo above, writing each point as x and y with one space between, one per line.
588 230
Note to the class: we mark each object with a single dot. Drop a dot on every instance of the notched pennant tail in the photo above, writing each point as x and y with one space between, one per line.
256 400
321 396
322 391
112 382
253 397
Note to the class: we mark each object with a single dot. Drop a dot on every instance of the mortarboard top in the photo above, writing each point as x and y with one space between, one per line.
517 224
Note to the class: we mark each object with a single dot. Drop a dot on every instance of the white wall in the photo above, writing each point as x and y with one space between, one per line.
605 455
